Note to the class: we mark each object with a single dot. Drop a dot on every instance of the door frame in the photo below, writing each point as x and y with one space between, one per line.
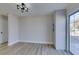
68 32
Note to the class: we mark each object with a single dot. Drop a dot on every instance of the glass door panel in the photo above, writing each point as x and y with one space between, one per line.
74 33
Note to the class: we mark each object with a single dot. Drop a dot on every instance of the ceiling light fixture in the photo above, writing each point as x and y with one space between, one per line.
23 7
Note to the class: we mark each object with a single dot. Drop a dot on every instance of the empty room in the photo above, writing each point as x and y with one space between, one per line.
39 28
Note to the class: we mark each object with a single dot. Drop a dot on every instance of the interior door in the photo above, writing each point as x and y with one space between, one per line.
3 29
0 29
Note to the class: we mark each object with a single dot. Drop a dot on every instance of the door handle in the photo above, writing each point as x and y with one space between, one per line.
1 32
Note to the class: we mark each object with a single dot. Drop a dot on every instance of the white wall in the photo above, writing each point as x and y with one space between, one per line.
60 21
36 29
13 30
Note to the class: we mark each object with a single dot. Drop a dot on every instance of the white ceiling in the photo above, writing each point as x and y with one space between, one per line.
37 8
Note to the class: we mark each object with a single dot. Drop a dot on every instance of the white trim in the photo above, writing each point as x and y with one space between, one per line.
36 42
12 43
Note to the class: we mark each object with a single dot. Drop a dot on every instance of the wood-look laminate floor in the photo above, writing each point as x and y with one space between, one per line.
29 49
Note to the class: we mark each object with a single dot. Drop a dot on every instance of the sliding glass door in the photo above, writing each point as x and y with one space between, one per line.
74 33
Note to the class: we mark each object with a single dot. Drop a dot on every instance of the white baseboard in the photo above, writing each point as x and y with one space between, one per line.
12 43
36 42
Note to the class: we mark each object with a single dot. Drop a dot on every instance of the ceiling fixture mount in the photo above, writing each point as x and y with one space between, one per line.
23 7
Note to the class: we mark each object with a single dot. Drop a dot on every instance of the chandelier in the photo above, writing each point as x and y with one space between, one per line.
23 7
